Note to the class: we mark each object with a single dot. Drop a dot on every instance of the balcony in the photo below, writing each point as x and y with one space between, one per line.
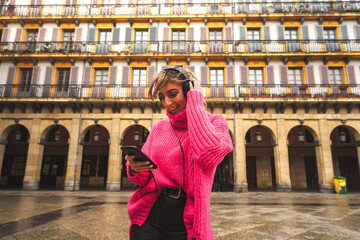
231 47
116 91
297 8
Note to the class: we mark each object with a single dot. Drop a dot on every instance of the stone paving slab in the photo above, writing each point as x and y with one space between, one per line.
254 215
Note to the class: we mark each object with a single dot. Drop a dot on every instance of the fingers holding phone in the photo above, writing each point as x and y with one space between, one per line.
138 166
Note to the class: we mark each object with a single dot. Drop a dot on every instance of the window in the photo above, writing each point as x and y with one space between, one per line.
62 80
101 76
253 34
25 79
255 76
104 36
141 36
216 77
329 33
32 35
68 38
291 34
18 166
178 40
215 35
335 76
295 76
139 77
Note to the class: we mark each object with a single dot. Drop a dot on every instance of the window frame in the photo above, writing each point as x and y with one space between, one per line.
256 69
216 33
25 84
63 86
333 75
216 82
139 82
102 80
292 73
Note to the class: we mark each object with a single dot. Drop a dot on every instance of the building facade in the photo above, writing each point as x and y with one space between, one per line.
74 77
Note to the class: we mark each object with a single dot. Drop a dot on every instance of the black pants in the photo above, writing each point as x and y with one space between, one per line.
165 221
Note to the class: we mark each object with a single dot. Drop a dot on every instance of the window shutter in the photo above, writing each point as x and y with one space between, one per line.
284 74
116 35
230 75
153 3
74 73
78 34
131 2
113 75
128 35
150 75
357 31
319 33
18 35
87 76
324 73
166 35
5 35
281 33
228 35
9 82
244 75
190 33
204 75
305 33
243 34
126 76
55 35
266 32
91 36
68 2
344 33
310 75
203 33
95 2
48 81
153 34
35 75
269 75
42 33
350 70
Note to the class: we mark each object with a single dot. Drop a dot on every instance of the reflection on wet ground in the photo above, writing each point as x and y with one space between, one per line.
253 215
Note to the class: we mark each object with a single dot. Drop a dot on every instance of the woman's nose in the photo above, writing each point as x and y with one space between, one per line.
167 101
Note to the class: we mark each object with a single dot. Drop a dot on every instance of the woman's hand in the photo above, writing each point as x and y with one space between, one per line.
137 166
195 86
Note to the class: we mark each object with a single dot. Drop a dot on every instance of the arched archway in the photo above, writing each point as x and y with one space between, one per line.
134 135
94 166
53 170
260 164
302 158
15 156
345 156
224 174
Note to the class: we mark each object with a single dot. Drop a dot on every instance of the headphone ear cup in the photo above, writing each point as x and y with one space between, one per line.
186 88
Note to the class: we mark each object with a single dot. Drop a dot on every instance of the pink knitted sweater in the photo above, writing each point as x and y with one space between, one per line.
205 141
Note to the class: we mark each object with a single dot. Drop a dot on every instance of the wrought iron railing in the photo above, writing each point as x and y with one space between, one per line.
219 91
263 7
183 47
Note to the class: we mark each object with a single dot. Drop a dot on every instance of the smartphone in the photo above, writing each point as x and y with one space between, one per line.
139 155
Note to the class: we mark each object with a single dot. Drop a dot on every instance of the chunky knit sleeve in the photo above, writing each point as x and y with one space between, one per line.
209 133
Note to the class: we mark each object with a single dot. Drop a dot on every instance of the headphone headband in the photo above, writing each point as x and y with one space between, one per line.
180 70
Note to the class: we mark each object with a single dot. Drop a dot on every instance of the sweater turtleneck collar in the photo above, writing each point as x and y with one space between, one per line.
179 120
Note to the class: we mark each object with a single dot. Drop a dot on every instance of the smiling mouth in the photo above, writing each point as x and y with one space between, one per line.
173 109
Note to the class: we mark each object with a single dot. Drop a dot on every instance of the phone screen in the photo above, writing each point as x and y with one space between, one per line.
139 156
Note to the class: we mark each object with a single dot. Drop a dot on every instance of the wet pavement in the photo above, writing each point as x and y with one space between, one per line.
38 215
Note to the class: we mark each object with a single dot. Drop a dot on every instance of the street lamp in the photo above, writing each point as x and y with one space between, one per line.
96 136
136 135
342 136
18 135
301 136
57 135
259 136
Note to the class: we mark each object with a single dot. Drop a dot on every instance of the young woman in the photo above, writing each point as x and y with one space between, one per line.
173 201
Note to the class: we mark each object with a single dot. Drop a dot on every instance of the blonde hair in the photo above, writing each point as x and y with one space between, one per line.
169 75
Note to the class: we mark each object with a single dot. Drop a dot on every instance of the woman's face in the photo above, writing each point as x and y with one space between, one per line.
172 97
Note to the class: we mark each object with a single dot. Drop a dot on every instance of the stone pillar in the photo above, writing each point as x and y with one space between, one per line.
240 183
34 158
324 159
281 157
74 156
113 182
358 157
2 154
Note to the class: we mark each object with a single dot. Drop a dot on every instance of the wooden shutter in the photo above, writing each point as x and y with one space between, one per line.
350 71
324 74
48 81
42 33
357 31
310 79
230 75
95 2
243 34
266 32
18 35
34 81
281 33
55 35
344 33
190 38
150 75
228 35
269 75
166 35
9 82
319 32
190 33
116 35
284 75
87 76
304 33
128 35
244 75
113 75
78 34
73 81
203 34
204 75
5 35
91 35
153 34
125 76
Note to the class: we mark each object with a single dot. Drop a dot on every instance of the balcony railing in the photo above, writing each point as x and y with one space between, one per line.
219 91
242 7
183 47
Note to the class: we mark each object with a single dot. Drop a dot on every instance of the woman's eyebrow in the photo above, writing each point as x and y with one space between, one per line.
175 89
